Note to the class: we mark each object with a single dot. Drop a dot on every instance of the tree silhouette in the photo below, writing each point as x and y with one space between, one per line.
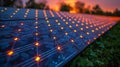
41 5
108 13
65 7
8 3
80 6
97 10
116 12
87 11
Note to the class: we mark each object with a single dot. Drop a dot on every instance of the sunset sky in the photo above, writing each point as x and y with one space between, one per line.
106 5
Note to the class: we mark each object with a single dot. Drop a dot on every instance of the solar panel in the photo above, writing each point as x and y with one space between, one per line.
45 38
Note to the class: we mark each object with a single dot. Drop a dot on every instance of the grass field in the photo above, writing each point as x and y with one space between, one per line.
104 52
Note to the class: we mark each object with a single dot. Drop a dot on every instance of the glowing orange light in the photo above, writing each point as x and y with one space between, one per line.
47 21
62 28
10 53
76 25
16 39
21 23
58 48
82 24
19 30
37 44
37 58
69 19
99 34
66 33
54 38
49 25
91 25
3 26
56 20
87 27
46 18
66 22
87 33
36 18
81 36
72 40
94 38
88 42
73 22
36 22
36 27
102 32
96 28
92 30
51 30
75 31
70 26
36 33
58 23
81 28
99 27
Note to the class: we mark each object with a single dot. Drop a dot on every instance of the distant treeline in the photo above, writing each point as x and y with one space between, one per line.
79 6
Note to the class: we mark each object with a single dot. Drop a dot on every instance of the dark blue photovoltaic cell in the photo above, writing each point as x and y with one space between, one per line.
45 38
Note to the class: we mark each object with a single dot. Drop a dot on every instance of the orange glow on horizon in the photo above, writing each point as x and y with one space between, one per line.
73 11
56 8
55 5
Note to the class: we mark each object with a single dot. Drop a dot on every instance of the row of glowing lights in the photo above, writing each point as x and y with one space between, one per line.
97 24
76 26
76 30
3 10
83 19
37 44
87 28
26 13
14 13
15 39
69 26
51 13
37 58
11 52
67 34
47 20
